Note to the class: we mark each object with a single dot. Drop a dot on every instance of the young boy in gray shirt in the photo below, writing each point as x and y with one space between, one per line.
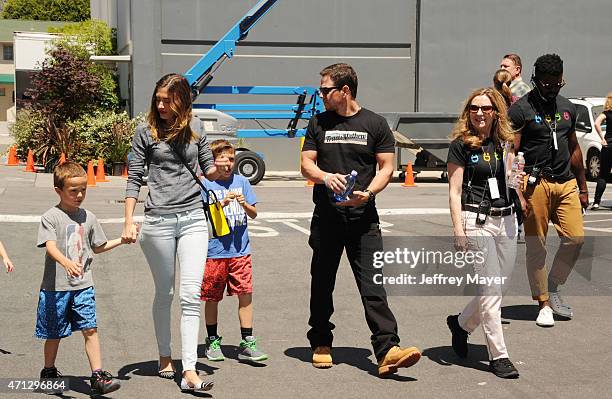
66 302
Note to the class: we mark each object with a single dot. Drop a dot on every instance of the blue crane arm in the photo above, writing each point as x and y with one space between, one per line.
200 74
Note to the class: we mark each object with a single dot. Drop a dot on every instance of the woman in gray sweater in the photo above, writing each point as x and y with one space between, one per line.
175 225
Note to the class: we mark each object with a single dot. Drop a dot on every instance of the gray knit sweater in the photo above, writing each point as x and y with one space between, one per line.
172 188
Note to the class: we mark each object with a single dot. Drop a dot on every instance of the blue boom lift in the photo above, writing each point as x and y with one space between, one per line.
223 118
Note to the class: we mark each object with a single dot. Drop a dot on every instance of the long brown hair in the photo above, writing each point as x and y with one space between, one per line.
501 131
180 107
608 105
501 82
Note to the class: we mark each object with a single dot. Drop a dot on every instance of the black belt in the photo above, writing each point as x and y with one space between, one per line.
508 210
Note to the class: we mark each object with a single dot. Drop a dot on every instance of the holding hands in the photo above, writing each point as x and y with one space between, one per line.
130 233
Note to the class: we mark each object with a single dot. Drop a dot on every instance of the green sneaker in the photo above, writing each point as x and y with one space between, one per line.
213 349
249 351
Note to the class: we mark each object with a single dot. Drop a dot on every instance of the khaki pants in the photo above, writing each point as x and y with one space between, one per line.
559 203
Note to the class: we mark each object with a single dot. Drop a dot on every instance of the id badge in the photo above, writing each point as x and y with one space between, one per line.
493 189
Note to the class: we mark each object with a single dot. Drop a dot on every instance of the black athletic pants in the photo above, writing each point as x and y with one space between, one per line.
328 239
604 172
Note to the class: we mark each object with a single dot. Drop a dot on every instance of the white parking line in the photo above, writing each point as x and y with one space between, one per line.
261 216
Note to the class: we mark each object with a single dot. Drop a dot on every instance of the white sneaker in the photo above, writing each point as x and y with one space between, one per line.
545 317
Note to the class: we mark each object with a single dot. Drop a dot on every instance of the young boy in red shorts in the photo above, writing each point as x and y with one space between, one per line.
229 259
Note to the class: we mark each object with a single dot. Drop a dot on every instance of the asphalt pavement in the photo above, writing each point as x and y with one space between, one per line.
570 360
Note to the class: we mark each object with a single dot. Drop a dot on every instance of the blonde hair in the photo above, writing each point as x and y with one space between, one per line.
608 105
501 131
501 82
180 107
66 171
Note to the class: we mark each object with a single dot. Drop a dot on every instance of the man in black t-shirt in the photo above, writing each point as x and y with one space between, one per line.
545 124
348 137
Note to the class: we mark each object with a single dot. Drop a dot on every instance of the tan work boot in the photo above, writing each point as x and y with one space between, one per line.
321 357
398 357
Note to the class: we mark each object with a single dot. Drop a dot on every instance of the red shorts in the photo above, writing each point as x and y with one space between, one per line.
235 273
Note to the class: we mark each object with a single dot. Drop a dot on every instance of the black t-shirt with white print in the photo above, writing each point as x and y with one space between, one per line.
478 166
344 144
532 117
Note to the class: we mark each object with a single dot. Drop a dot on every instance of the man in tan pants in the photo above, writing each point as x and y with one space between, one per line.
555 189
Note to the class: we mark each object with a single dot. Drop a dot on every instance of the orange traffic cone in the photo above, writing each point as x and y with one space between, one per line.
30 163
125 171
12 157
409 179
309 183
62 158
91 178
100 175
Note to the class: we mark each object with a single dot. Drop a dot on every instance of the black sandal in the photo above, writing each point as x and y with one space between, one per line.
167 374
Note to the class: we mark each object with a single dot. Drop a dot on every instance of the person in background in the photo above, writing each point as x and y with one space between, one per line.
512 63
606 150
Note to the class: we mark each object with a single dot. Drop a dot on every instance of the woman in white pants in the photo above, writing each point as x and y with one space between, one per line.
483 218
175 226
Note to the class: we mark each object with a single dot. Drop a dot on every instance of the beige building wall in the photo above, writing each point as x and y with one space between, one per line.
6 99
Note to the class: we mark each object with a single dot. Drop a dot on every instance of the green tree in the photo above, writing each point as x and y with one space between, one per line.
88 38
47 10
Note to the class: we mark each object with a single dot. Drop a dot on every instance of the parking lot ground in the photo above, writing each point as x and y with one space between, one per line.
570 360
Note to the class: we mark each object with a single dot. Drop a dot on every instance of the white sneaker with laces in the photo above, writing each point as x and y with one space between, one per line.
545 317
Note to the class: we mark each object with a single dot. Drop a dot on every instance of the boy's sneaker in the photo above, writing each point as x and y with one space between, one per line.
213 349
249 351
595 206
102 382
503 368
50 372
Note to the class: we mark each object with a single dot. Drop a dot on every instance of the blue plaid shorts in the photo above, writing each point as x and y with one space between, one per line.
62 312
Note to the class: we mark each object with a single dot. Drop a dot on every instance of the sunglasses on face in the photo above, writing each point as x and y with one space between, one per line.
484 108
552 85
326 90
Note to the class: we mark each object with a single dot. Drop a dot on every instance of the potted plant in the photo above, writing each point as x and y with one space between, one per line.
119 145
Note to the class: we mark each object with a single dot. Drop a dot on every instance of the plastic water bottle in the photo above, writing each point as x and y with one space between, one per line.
517 167
350 184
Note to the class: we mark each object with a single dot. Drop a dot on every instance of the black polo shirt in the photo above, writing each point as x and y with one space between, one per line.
532 117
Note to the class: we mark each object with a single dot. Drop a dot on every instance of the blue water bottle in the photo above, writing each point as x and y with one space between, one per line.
350 184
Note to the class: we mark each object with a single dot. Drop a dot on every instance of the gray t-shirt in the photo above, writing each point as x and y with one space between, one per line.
75 235
172 188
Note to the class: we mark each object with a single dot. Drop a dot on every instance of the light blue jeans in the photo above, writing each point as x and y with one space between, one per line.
163 239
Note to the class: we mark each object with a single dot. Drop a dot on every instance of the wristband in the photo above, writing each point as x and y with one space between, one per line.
325 179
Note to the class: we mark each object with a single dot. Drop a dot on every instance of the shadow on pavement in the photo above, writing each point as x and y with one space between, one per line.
445 356
150 368
355 357
520 312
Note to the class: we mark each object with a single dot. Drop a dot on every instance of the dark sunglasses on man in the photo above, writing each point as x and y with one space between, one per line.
552 85
326 90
